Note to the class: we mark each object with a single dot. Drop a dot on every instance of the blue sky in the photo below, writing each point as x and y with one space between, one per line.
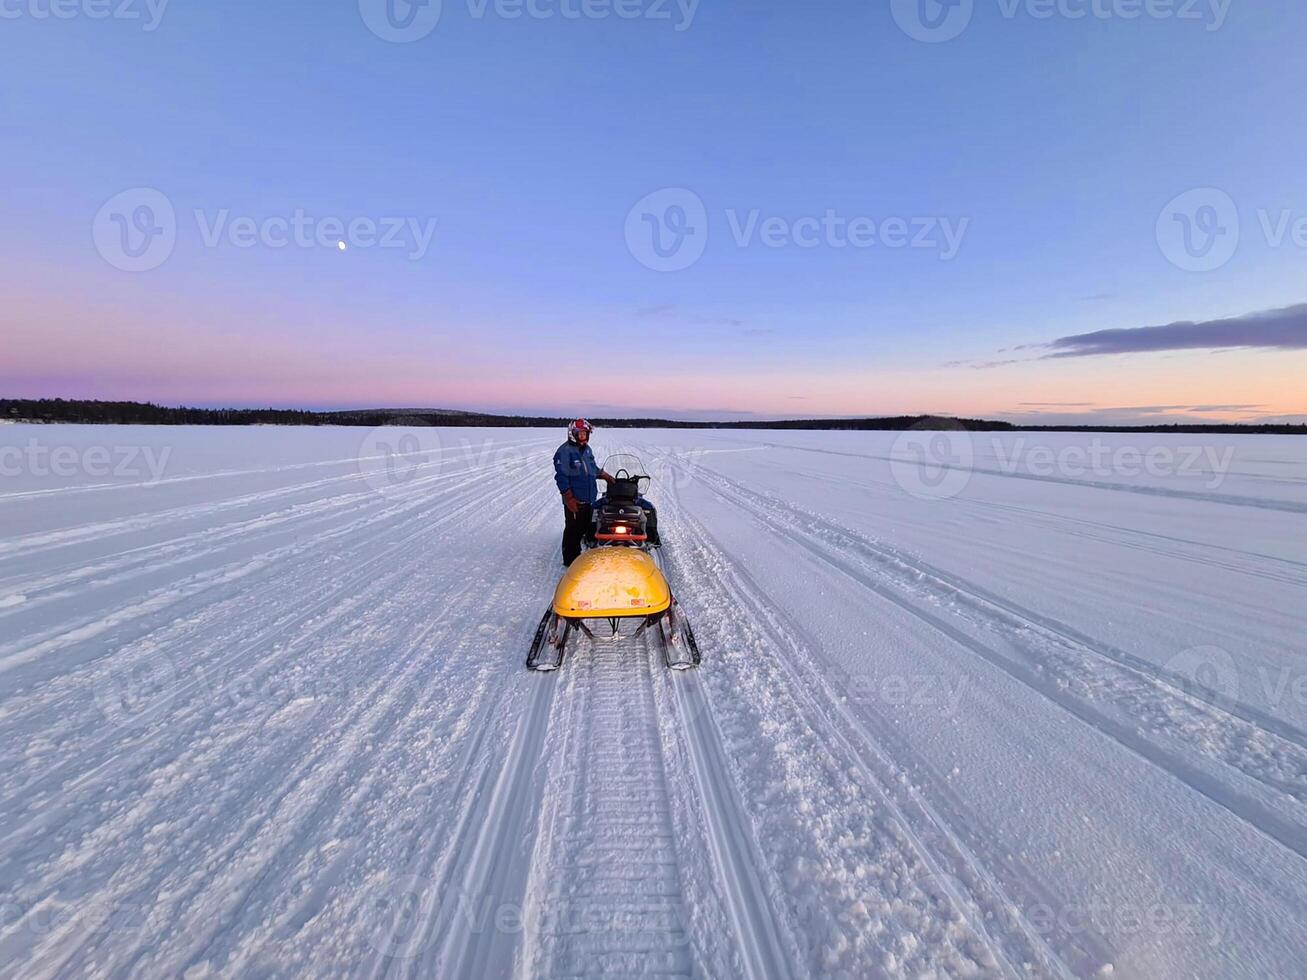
1053 144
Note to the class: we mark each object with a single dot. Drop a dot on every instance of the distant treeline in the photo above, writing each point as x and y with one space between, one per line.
146 413
138 413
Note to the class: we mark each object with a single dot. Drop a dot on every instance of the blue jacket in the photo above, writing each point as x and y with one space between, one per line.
575 469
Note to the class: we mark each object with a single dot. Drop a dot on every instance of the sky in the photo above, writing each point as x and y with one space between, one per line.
1038 210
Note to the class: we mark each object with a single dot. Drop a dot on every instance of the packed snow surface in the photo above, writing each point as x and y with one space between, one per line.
989 705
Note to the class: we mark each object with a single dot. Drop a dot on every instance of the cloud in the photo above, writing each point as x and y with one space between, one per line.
1147 409
980 365
1282 329
603 409
1279 329
1047 413
1140 409
668 311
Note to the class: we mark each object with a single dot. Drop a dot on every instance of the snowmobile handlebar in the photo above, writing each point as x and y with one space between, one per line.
627 468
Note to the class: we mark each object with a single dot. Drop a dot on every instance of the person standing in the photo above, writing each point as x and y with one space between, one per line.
576 473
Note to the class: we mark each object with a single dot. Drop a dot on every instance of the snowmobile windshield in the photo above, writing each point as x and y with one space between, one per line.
625 466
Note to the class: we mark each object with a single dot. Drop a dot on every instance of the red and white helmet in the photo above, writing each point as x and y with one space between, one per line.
577 427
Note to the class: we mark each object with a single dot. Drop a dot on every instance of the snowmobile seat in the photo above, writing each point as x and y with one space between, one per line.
624 490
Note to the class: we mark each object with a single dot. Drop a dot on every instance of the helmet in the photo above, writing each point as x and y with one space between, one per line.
580 425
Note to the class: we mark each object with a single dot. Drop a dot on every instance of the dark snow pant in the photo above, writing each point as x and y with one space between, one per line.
574 531
651 522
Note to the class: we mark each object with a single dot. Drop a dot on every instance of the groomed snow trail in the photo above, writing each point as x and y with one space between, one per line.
268 716
606 870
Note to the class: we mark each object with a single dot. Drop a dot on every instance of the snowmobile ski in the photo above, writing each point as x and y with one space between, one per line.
549 643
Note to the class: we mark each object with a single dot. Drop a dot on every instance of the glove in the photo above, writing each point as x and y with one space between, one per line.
571 503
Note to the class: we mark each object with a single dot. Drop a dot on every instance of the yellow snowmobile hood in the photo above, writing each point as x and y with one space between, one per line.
609 582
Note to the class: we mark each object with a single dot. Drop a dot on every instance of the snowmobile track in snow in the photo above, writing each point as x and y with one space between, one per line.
963 877
734 848
348 772
489 875
948 586
1249 804
358 587
1232 500
606 893
933 867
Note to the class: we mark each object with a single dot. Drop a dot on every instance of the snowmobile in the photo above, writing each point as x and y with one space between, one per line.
618 578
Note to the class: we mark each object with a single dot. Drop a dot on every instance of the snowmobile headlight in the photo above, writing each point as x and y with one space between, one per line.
619 529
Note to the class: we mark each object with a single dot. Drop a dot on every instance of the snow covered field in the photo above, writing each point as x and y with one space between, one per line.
1040 710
